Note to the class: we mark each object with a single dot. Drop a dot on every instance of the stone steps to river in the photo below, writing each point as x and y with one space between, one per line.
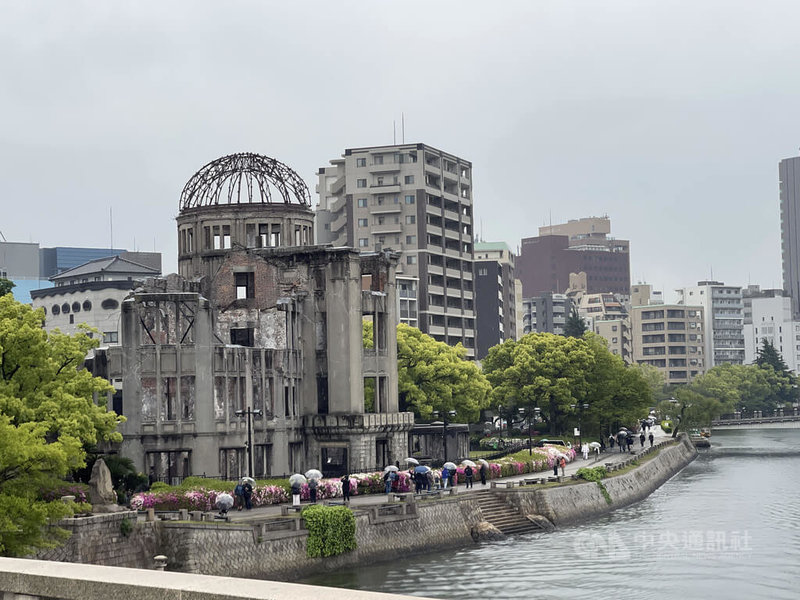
503 515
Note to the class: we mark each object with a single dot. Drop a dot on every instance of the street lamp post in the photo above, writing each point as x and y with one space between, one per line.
527 412
249 412
445 422
581 408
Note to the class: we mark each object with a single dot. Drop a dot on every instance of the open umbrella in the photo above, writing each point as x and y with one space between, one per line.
313 474
468 463
449 466
562 455
297 479
483 461
421 469
224 501
622 432
412 461
249 480
390 468
594 445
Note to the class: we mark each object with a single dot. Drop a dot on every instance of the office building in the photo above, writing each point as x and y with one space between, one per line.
789 182
415 200
669 337
495 296
724 319
575 255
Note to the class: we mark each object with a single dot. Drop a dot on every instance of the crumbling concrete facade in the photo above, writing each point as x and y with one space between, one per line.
260 320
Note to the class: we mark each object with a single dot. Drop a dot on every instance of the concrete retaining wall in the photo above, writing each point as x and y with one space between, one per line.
571 504
217 549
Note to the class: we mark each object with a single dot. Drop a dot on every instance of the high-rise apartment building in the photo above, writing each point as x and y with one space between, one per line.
546 313
495 296
670 338
723 320
768 317
580 249
416 200
789 180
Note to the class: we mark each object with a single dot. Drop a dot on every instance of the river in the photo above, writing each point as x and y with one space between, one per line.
727 526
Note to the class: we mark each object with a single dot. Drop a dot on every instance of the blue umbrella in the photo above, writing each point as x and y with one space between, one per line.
421 469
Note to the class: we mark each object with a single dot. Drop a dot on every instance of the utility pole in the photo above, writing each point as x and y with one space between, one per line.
249 412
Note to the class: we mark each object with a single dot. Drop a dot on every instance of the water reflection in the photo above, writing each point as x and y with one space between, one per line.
725 527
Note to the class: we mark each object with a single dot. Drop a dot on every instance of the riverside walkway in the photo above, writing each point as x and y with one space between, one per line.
613 456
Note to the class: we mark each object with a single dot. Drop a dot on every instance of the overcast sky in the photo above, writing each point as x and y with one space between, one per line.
668 116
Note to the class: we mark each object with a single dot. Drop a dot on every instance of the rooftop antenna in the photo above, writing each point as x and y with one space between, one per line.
403 127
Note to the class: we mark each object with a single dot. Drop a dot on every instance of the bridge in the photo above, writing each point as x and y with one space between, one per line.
759 422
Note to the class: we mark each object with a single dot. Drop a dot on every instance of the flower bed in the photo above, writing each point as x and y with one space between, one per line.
205 494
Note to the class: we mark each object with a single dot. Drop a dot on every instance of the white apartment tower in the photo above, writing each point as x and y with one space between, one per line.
768 316
723 320
416 200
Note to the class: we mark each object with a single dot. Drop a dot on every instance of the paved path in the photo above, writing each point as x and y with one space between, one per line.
609 456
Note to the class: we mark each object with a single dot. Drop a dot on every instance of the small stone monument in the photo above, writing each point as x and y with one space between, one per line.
102 496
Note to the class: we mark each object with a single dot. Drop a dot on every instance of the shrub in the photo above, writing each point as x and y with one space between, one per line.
331 530
592 474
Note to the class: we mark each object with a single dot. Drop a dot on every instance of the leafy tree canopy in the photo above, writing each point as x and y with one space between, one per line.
6 285
434 376
47 419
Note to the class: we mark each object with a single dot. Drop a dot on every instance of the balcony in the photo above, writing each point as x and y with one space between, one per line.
436 289
386 188
386 167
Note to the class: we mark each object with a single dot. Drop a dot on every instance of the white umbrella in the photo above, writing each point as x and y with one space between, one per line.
297 479
449 466
249 480
483 461
313 474
468 463
390 468
413 461
224 501
594 445
562 455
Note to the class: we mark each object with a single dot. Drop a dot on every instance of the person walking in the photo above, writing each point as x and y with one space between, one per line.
563 464
238 498
468 476
611 442
651 438
346 487
312 490
296 494
585 450
482 472
429 480
555 466
247 493
445 477
641 438
387 481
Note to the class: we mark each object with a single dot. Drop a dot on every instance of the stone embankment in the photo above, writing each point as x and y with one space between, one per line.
276 548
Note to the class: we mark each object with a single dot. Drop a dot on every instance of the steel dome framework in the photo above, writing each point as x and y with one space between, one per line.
244 178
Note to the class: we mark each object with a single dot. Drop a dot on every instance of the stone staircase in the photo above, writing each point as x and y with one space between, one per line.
503 515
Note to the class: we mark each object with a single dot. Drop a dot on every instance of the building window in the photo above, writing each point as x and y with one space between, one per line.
361 162
409 199
87 305
362 203
411 239
109 304
411 260
363 242
110 337
242 336
483 271
363 222
55 309
362 183
245 285
408 179
377 159
411 219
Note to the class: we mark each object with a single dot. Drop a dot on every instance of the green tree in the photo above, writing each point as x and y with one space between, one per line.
617 394
769 355
575 325
6 285
49 418
435 376
540 369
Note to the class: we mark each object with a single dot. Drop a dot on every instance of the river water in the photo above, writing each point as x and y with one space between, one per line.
727 526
